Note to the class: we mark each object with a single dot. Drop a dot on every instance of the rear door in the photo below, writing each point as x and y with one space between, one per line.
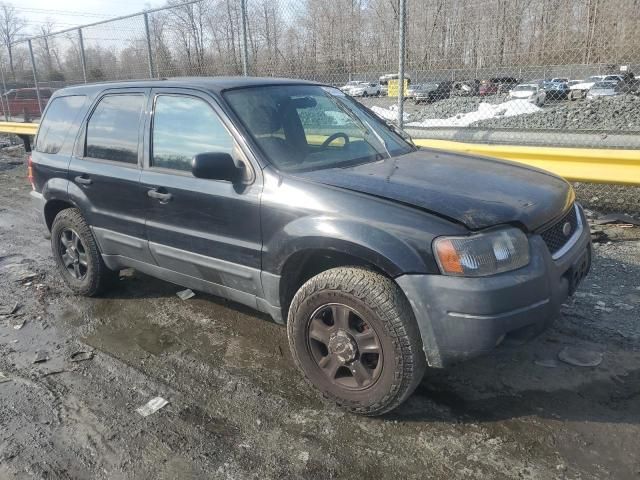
104 173
205 229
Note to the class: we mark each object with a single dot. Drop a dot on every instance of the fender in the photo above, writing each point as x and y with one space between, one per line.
55 189
369 242
78 197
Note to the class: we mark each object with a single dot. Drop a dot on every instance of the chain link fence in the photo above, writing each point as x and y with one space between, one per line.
535 69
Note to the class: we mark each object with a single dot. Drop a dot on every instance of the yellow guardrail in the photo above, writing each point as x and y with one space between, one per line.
19 128
592 165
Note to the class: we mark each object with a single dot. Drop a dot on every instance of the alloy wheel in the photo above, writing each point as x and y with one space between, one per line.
344 346
73 254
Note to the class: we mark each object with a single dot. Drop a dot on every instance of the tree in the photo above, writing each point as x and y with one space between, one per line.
11 25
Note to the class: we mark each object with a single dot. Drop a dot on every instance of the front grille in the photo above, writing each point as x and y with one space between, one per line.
554 236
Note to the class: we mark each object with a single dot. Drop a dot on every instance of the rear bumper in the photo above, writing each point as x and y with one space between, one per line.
460 318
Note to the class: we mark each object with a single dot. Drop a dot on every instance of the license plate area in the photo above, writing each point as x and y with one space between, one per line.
579 270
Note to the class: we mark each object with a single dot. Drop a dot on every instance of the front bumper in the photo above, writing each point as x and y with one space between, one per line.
460 318
528 99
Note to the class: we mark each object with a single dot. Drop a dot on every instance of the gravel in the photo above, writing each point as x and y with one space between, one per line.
619 114
609 114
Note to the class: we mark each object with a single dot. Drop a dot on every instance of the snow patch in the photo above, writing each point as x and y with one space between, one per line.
389 113
486 111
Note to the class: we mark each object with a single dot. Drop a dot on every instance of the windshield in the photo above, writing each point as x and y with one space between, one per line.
597 78
525 88
309 127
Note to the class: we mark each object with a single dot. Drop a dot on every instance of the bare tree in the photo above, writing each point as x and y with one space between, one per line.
11 25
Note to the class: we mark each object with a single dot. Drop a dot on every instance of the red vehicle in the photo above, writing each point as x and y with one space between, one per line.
24 101
487 87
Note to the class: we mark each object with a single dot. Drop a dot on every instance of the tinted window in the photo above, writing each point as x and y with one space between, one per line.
112 133
183 127
56 123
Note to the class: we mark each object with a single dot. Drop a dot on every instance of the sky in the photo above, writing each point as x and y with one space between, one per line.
69 13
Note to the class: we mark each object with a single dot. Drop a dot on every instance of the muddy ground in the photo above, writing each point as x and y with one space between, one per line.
238 408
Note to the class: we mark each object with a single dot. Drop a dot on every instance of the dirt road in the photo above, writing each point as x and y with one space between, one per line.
238 409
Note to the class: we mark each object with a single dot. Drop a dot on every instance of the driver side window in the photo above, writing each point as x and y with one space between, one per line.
184 126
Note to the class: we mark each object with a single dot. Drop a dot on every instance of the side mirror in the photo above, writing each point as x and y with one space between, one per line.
216 166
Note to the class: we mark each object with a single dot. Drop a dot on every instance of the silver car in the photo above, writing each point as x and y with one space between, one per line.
604 89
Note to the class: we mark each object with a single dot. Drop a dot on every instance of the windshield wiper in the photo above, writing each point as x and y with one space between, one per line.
366 127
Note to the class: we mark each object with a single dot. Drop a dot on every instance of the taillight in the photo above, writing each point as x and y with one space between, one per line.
30 172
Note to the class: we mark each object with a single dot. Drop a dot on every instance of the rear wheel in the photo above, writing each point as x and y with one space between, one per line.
353 335
77 255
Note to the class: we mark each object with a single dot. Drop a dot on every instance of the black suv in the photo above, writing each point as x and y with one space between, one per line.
292 198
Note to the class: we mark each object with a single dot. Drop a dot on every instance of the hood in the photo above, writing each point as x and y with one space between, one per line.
478 192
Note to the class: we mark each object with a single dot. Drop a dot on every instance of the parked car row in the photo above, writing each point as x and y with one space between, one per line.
537 91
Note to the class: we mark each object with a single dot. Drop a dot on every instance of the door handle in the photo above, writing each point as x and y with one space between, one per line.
163 197
83 180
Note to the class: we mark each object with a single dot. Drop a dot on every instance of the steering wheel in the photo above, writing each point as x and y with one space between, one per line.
332 137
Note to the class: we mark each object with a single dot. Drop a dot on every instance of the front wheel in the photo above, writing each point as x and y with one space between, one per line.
77 255
353 334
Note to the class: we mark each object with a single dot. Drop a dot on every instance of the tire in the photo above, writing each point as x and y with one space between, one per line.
365 94
378 319
86 274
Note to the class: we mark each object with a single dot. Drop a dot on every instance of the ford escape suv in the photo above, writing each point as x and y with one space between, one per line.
292 198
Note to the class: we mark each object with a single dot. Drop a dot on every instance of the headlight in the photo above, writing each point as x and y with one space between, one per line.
482 254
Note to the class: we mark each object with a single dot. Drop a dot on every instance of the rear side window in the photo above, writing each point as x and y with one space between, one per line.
57 122
183 127
112 132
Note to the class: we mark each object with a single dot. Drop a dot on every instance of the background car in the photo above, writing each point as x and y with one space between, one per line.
529 91
557 89
505 84
579 90
364 89
411 91
349 85
431 92
24 101
466 88
487 87
605 88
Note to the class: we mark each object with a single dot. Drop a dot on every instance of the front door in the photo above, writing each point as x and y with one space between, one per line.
203 229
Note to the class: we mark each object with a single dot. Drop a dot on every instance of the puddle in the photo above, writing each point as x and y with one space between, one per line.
124 340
